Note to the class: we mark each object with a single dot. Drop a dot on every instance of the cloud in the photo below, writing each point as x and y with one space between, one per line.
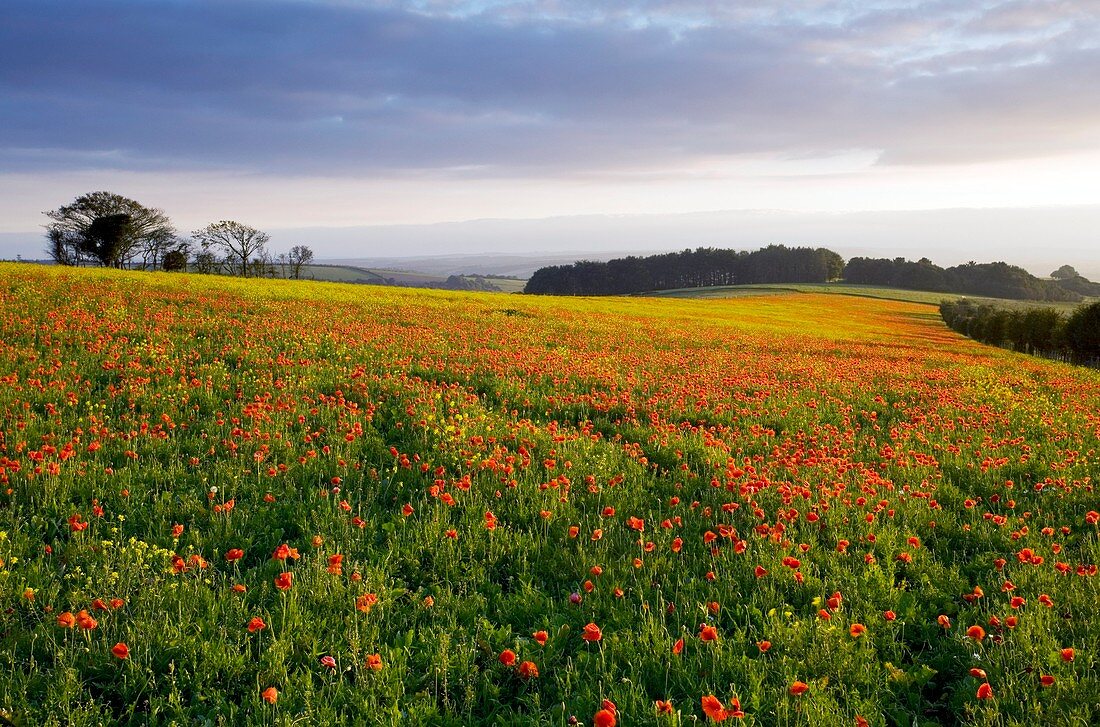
536 88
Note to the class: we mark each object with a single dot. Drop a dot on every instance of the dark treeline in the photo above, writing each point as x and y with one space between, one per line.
688 269
1038 331
993 280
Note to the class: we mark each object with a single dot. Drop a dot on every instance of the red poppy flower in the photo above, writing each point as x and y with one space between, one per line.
270 695
713 708
1068 654
66 620
678 646
284 581
985 691
708 633
527 670
374 662
604 718
663 707
121 650
365 602
85 621
592 633
857 630
540 637
234 554
1046 680
976 632
799 688
256 624
507 657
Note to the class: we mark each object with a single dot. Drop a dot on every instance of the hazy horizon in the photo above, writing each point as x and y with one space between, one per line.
944 236
956 130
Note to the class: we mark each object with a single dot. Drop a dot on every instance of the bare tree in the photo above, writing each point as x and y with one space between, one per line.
239 242
300 255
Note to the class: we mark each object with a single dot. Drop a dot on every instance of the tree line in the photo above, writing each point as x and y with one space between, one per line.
992 280
688 269
705 267
1037 331
103 228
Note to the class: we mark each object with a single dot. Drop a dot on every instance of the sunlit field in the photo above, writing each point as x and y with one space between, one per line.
238 502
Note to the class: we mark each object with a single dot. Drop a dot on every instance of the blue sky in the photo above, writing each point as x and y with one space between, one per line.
335 113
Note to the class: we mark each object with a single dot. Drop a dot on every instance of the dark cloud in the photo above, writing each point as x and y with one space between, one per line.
535 87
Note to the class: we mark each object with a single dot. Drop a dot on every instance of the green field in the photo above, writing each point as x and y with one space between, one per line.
269 502
869 291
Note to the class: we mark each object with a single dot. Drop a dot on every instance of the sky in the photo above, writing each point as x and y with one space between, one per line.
365 124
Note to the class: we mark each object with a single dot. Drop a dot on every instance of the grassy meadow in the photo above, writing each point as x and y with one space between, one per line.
234 502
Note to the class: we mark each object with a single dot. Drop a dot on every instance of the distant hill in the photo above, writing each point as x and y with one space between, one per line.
486 264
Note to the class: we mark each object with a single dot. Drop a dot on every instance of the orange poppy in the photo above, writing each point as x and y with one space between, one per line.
270 695
374 662
592 633
799 688
66 620
976 632
604 718
507 657
663 707
527 670
857 630
985 691
121 650
540 637
713 708
708 633
284 581
256 624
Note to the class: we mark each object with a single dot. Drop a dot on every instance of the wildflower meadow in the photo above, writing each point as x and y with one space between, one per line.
240 502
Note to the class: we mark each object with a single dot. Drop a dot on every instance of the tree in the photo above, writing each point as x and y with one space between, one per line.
175 260
206 262
93 228
237 241
105 237
1066 272
1082 334
300 255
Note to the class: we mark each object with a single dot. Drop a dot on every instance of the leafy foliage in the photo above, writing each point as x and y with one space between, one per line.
110 230
995 280
688 269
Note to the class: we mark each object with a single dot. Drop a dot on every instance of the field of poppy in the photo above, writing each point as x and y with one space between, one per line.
267 502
